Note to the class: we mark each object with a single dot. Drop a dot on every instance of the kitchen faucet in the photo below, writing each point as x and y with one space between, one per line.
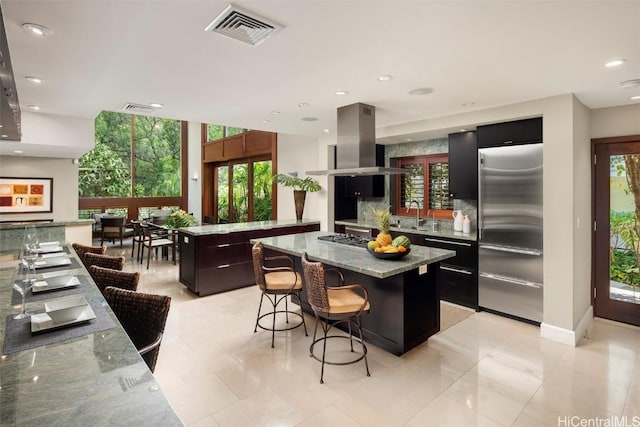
417 211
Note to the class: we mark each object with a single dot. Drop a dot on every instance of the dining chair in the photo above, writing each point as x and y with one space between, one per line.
143 316
333 306
138 238
156 237
105 277
112 228
81 250
105 261
277 283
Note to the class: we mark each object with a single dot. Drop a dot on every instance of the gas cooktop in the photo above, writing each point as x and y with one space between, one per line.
346 239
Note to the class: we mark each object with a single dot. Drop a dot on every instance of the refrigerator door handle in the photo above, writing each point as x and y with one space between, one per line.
480 219
456 270
512 280
511 250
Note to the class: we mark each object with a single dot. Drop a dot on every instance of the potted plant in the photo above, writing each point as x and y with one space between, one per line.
300 187
181 218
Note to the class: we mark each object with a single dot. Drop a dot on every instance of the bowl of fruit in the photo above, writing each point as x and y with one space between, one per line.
399 248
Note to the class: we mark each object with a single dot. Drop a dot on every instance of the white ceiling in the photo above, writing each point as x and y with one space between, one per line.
102 54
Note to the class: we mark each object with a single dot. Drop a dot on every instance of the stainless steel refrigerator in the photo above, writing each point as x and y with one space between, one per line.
510 276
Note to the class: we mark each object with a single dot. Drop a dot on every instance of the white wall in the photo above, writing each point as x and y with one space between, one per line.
57 136
615 121
300 154
65 184
194 166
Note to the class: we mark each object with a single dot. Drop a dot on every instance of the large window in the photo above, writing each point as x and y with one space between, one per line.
248 185
136 162
425 189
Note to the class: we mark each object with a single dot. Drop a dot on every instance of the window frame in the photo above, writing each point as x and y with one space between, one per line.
426 161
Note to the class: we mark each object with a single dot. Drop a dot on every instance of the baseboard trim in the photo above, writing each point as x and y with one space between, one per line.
567 336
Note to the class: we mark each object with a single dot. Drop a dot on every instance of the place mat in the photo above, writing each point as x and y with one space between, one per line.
18 336
54 293
74 264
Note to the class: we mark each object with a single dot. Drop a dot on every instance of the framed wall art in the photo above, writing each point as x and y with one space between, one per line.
26 195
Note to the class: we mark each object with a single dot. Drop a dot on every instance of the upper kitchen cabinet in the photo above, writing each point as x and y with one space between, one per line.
366 185
527 131
463 166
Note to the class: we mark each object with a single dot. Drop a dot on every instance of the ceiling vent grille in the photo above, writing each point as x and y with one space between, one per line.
131 107
248 27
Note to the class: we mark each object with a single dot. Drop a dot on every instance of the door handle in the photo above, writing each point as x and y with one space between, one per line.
455 270
512 280
224 266
224 245
428 239
512 250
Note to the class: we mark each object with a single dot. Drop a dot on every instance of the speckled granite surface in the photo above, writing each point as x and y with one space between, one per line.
352 258
11 233
204 230
444 232
94 380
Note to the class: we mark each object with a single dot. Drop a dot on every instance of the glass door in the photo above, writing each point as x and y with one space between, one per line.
617 231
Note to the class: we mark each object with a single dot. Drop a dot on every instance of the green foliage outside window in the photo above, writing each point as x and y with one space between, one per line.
214 132
105 171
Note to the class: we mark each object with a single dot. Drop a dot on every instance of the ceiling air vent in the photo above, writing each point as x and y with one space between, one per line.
131 107
240 24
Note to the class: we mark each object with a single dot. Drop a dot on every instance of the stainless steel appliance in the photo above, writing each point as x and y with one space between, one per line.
510 276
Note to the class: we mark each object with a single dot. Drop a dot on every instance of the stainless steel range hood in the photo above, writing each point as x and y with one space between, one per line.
356 145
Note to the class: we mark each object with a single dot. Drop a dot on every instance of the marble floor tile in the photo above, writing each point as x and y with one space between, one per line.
480 370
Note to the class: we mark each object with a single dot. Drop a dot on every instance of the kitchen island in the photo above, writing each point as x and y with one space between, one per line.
404 296
217 258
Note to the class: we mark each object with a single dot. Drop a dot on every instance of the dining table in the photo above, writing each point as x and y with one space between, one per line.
84 371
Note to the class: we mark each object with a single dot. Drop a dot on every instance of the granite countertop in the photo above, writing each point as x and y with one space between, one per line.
350 257
443 232
96 379
43 223
204 230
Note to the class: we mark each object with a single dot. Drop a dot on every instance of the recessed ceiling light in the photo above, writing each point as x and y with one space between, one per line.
4 136
34 107
635 97
303 104
384 78
18 151
275 113
326 130
463 130
421 91
34 79
265 121
408 139
341 92
1 126
37 29
468 104
156 105
309 119
628 84
615 63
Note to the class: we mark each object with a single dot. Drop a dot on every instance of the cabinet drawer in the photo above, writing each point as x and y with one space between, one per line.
466 252
458 285
225 253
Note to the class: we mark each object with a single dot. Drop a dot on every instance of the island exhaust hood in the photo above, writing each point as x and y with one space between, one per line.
356 145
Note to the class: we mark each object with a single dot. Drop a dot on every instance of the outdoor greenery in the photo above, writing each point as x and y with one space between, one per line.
105 171
181 218
262 194
625 245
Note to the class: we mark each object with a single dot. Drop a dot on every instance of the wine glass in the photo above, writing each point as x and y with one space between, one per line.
30 244
23 280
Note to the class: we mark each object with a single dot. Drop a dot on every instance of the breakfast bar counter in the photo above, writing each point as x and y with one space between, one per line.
90 379
404 296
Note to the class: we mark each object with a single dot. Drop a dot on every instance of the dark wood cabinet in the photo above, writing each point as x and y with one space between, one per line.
365 186
463 166
458 276
218 262
527 131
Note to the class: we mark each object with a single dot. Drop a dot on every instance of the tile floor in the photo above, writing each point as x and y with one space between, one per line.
482 370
